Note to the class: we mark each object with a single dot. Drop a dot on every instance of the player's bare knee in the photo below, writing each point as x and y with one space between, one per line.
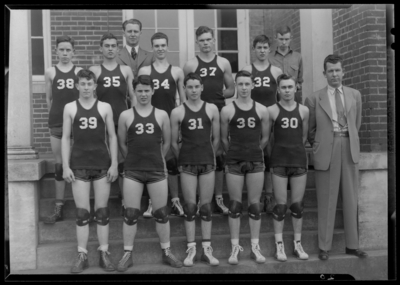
235 209
279 212
254 211
102 216
297 210
131 216
205 212
189 210
161 215
82 217
58 172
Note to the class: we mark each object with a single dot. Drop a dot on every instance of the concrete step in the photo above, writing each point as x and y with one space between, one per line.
65 230
148 250
372 268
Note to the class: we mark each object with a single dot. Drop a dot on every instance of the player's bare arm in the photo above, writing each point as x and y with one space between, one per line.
163 121
305 114
225 117
177 73
125 119
262 112
145 70
70 110
107 114
224 64
213 114
190 66
176 119
48 79
96 69
128 74
276 71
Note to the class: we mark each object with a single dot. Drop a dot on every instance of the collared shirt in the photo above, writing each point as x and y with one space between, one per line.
129 48
291 63
332 101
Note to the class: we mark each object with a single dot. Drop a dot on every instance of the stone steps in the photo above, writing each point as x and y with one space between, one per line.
148 251
66 230
339 265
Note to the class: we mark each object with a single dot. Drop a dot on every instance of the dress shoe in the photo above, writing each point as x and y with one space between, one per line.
323 254
356 252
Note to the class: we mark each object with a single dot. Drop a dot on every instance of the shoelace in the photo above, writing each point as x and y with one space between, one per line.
280 248
191 250
177 205
208 250
58 210
299 248
256 250
236 249
170 255
81 257
126 256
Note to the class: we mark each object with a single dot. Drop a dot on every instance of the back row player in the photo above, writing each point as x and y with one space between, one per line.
215 72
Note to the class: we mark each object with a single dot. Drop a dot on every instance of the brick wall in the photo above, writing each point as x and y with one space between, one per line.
259 23
41 134
287 17
359 36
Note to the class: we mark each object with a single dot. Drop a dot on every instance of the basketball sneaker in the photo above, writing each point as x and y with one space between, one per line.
105 262
170 259
125 262
191 258
80 263
177 209
256 254
234 258
148 213
298 251
56 216
220 208
280 252
208 257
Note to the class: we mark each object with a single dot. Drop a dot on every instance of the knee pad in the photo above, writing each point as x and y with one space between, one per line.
82 217
120 168
172 166
297 210
235 209
254 211
279 212
220 163
190 210
205 212
102 216
131 216
58 172
161 215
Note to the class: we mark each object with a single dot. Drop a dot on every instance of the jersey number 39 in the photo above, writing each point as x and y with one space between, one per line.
85 123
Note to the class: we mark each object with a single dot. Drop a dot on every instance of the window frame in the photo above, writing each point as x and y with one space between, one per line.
46 45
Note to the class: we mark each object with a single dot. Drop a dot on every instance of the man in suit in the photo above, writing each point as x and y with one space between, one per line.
131 54
335 119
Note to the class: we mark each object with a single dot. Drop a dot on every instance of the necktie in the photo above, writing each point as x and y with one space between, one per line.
339 109
133 53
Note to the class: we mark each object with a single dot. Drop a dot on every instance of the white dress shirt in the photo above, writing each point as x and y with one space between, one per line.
332 101
129 48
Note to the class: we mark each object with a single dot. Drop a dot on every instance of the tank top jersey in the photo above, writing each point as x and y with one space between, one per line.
90 150
63 91
164 90
265 86
112 89
245 133
288 149
144 144
213 82
196 134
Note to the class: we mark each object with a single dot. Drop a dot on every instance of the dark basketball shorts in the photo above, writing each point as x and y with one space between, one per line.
244 167
145 177
56 132
196 170
287 172
88 175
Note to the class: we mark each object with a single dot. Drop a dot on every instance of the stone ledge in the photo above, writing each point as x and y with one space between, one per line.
26 170
373 160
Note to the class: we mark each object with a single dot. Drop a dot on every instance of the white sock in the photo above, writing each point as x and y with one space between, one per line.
190 244
174 199
254 242
278 237
206 243
165 245
297 237
81 249
128 248
235 241
103 247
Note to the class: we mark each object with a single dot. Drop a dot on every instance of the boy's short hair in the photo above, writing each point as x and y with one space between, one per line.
243 73
283 30
133 22
285 76
86 73
158 36
63 39
263 39
144 80
333 58
192 76
108 36
202 30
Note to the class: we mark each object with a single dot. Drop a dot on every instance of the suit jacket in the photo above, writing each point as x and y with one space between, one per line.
144 58
320 128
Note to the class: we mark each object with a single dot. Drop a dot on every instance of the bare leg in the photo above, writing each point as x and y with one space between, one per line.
60 185
81 192
206 182
298 186
235 187
280 186
189 186
101 195
254 182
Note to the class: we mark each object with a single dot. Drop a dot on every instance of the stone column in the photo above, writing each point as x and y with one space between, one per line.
316 44
19 125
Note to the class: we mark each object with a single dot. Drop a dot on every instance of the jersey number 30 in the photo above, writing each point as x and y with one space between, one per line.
140 128
92 123
293 123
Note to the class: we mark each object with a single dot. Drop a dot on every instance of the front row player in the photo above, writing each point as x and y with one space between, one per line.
198 122
288 161
246 122
147 132
90 160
